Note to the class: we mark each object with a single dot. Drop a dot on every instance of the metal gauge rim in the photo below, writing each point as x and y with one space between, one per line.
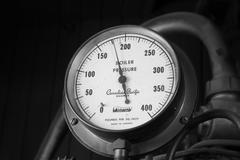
83 51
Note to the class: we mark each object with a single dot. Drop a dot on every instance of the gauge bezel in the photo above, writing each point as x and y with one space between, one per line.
83 51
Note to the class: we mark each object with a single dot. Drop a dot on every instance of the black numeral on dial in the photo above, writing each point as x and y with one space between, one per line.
102 55
158 69
149 52
101 109
146 107
158 88
88 92
125 46
90 74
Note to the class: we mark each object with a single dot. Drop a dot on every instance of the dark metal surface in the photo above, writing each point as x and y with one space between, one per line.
206 116
221 128
52 140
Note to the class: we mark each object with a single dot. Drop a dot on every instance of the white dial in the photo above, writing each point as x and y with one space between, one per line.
125 81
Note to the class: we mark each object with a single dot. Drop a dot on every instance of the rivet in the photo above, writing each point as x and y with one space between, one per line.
184 120
74 121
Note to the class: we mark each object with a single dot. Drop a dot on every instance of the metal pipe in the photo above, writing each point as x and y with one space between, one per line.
120 154
121 149
224 75
202 28
55 134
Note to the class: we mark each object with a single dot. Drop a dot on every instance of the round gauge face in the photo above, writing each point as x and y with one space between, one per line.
125 79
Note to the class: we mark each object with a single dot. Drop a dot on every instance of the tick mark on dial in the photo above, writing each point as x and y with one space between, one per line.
79 97
151 44
80 71
150 115
92 115
168 92
161 53
86 108
168 64
99 48
138 39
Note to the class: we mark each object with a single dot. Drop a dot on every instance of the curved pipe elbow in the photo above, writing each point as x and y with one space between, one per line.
202 28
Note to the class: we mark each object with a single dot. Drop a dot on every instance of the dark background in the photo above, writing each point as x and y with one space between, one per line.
40 37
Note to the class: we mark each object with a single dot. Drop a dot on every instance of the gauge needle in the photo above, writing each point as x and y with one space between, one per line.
122 79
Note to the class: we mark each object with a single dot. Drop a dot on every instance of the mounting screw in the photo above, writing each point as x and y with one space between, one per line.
184 120
74 121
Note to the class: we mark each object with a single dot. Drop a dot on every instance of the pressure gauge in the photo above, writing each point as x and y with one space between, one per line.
125 80
121 80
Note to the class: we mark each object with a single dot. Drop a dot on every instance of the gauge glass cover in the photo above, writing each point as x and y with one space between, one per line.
125 79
